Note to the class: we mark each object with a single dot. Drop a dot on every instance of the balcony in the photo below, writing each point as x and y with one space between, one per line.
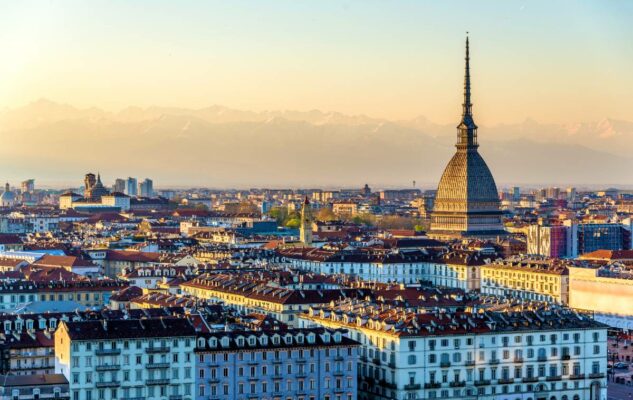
482 382
113 367
596 376
376 361
518 359
458 384
132 398
108 384
338 373
469 363
565 357
505 381
153 382
432 385
176 397
576 377
386 384
157 365
541 358
530 379
107 352
494 361
391 364
445 364
153 350
554 378
339 358
413 386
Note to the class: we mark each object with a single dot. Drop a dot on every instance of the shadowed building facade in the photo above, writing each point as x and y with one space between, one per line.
467 201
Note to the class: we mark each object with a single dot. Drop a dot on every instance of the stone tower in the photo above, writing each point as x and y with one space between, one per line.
467 202
305 230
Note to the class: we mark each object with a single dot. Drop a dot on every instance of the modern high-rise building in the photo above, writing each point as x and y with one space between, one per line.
119 186
28 186
146 188
131 187
467 202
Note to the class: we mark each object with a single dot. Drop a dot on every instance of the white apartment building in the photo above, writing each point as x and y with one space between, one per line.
127 359
552 354
455 269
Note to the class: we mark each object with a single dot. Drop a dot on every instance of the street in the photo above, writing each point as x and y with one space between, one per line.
617 391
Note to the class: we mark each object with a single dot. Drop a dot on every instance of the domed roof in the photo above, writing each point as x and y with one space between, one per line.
7 196
467 185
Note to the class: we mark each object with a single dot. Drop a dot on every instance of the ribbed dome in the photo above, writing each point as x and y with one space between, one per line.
467 185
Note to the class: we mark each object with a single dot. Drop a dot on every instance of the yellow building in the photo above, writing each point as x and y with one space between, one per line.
538 280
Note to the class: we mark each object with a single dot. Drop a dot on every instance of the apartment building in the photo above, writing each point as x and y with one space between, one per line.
251 293
127 359
298 364
548 354
527 279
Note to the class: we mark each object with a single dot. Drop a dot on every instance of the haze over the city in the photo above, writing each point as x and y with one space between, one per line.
199 95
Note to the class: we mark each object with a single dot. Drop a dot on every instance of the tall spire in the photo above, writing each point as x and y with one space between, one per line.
467 106
467 130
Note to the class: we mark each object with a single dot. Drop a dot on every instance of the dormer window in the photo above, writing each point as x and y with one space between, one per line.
288 339
240 341
224 342
251 341
326 337
311 338
337 337
275 340
201 343
264 340
299 338
213 342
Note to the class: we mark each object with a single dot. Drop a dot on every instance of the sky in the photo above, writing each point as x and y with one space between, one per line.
555 62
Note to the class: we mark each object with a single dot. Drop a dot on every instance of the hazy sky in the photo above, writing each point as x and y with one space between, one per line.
554 61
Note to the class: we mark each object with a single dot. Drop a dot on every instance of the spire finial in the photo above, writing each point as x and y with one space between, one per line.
467 130
467 104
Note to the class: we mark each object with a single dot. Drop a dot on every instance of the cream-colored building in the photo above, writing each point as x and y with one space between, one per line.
537 280
606 290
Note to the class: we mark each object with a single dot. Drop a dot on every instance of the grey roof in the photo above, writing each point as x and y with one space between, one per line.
32 380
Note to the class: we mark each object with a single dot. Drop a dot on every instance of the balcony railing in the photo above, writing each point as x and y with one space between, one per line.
160 349
518 359
554 378
541 358
577 376
108 384
445 364
482 382
596 375
506 381
458 383
161 381
157 365
530 379
494 361
413 386
432 385
107 352
566 357
112 367
469 363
